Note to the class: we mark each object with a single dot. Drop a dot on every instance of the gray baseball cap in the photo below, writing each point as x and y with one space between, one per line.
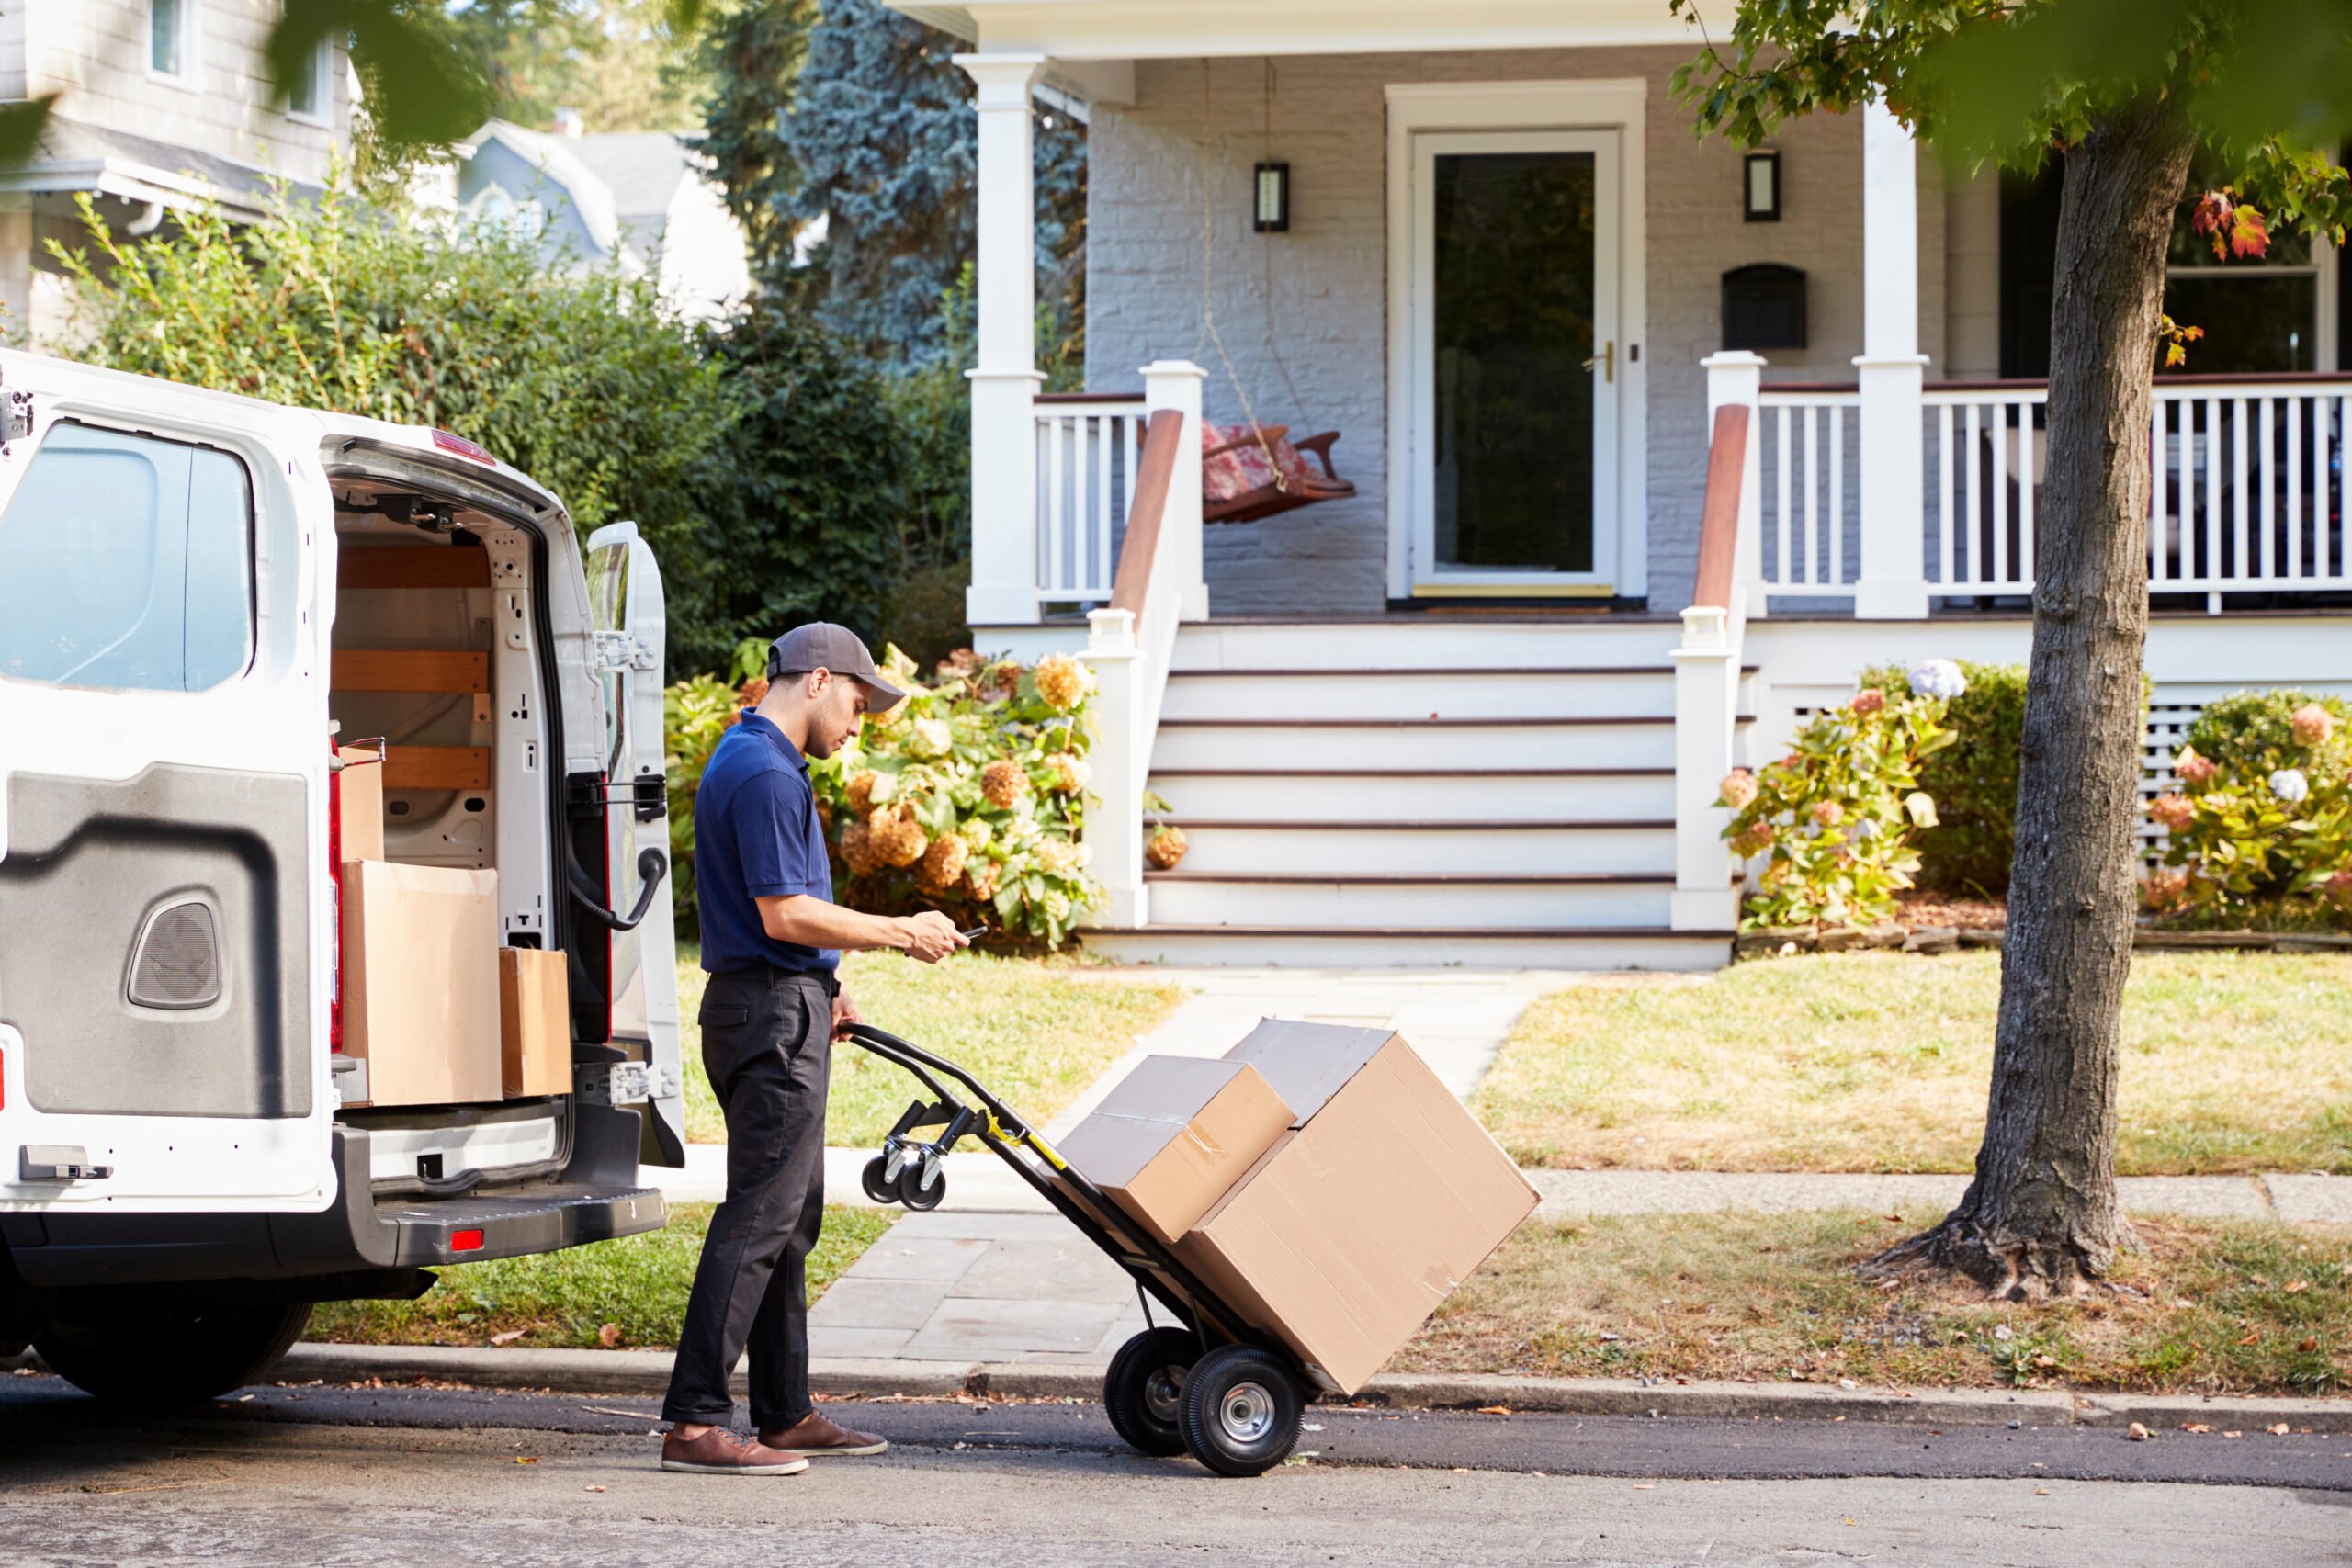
821 645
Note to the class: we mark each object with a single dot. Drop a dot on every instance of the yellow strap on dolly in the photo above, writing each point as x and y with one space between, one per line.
1045 1150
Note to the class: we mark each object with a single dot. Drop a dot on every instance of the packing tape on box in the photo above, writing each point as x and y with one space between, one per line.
1439 1282
1208 1146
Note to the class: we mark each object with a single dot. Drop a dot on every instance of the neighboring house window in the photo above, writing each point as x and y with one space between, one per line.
127 561
2260 315
312 92
168 35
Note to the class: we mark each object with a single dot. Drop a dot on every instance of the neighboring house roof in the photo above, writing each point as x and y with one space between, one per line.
72 156
635 197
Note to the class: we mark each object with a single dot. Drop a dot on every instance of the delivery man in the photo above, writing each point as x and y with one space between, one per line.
772 939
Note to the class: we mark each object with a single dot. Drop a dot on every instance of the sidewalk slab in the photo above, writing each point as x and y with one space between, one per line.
2311 1199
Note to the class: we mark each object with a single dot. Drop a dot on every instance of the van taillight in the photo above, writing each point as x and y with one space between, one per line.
335 892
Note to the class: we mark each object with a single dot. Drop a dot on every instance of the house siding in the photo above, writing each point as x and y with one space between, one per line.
95 54
1301 315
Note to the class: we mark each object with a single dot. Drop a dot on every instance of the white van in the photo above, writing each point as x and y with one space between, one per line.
201 596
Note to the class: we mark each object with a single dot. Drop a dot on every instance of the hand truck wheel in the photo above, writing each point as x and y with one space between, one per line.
1144 1391
1242 1407
921 1185
877 1185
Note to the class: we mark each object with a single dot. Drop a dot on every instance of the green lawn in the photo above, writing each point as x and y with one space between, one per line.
1035 1031
1880 1062
2215 1308
637 1284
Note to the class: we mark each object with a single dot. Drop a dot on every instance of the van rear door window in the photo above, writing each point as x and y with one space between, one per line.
127 561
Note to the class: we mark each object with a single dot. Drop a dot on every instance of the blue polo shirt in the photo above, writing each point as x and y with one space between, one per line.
756 836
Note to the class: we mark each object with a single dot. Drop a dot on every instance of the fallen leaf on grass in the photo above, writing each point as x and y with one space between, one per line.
508 1337
610 1335
2251 1339
2308 1344
2295 1285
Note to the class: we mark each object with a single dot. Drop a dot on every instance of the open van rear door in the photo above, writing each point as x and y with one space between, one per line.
166 909
629 624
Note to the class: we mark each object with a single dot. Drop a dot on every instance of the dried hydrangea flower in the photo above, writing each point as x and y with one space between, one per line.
2312 725
1739 788
2171 812
1869 699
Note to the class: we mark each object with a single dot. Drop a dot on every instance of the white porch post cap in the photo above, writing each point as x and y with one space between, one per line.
1735 359
999 69
1173 368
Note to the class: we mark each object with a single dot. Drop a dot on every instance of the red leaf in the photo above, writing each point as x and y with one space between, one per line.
2249 233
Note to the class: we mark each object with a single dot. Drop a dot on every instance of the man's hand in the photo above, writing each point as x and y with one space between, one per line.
844 1013
931 936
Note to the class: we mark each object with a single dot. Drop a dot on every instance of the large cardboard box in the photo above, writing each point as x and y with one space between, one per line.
1175 1133
535 1021
360 786
420 970
1350 1231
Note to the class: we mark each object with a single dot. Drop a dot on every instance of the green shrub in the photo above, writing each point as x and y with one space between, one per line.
2261 826
1974 784
1834 819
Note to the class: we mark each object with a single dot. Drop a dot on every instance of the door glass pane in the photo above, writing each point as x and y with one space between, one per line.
127 561
1512 320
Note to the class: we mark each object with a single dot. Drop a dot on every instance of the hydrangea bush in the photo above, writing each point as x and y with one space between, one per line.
2261 824
970 798
1833 821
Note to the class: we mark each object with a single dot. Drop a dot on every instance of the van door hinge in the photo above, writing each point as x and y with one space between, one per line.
58 1162
618 650
16 417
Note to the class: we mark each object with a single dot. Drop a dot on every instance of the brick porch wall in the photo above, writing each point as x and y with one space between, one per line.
1316 296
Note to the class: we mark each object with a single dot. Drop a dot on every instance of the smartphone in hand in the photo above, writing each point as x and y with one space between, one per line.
974 934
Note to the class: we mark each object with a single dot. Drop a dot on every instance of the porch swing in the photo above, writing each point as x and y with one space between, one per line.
1250 472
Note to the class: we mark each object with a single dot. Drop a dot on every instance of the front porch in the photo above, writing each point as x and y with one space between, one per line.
1395 721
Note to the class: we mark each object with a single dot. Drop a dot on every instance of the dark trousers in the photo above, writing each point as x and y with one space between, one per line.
767 1043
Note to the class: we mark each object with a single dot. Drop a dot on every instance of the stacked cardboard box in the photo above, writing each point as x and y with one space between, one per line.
1348 1223
420 969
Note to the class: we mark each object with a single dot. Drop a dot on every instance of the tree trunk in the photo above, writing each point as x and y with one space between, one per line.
2040 1216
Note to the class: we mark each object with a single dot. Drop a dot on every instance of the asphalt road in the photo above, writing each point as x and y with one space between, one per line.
397 1475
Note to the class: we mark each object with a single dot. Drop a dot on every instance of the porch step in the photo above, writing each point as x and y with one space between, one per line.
1394 642
1537 947
1307 846
1411 900
1641 741
1586 693
1460 795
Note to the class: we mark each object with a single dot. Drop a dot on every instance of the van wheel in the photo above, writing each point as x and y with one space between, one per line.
151 1352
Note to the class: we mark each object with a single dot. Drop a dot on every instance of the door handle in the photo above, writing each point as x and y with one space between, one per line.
1606 359
58 1162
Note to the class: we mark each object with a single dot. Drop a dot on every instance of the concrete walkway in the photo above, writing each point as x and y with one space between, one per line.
994 1276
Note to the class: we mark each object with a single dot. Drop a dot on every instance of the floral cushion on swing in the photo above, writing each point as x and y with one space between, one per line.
1233 474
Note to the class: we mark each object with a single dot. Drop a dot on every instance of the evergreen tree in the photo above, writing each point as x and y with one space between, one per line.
846 111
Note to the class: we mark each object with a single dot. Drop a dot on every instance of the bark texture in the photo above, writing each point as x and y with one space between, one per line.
2040 1216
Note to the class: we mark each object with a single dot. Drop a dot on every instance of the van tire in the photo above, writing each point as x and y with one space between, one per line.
151 1352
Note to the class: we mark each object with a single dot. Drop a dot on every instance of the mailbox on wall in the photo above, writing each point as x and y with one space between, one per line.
1764 307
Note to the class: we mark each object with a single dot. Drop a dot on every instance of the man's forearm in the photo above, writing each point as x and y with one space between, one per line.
810 921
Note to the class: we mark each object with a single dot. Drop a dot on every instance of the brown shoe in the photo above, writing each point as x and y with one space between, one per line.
815 1434
721 1450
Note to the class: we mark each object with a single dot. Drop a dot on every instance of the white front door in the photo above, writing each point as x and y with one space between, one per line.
1517 363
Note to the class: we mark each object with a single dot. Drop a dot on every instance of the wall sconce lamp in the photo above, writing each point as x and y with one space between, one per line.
1762 195
1272 214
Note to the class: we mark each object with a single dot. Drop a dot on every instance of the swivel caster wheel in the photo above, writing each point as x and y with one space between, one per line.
875 1179
921 1185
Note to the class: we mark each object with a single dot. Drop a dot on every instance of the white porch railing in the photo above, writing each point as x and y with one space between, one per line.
2247 492
1089 450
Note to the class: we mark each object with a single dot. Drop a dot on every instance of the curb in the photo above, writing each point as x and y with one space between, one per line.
646 1374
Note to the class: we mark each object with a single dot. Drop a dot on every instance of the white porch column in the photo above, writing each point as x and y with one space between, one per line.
1005 382
1892 372
1176 384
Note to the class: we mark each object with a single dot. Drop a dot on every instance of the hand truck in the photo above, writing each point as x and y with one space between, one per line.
1208 1384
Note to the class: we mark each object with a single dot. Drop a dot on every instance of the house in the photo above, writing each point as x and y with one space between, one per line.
639 200
162 106
1654 444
